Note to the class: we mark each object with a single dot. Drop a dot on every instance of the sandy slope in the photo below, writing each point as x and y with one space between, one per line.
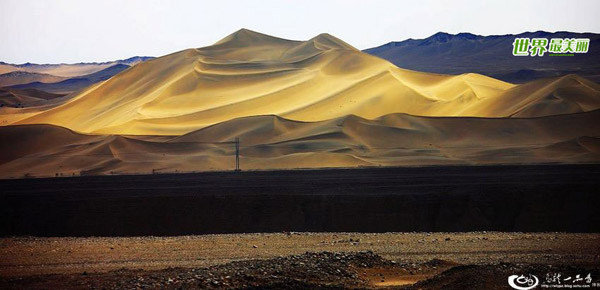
68 70
23 77
249 74
75 84
25 97
489 55
59 70
546 97
297 104
275 142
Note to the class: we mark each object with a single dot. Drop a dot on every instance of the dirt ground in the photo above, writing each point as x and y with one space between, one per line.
293 260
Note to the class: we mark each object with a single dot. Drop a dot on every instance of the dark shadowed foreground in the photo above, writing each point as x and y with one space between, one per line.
453 198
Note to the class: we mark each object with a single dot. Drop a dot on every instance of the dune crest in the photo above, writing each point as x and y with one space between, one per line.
251 74
271 142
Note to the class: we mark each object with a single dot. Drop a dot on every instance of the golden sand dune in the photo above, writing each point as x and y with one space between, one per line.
25 97
546 97
251 74
21 77
297 104
58 70
269 142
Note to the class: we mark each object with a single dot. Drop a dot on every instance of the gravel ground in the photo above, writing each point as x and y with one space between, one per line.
293 260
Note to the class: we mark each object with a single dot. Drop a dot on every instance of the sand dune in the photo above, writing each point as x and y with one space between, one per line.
68 70
7 68
297 104
489 55
59 70
22 77
25 98
250 74
269 142
75 84
554 96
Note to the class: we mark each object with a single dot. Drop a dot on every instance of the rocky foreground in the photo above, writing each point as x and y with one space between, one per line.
276 261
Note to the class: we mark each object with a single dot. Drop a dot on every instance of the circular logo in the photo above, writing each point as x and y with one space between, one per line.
522 282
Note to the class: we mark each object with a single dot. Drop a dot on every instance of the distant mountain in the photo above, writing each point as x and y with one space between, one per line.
128 61
75 84
252 74
300 104
69 70
133 60
490 55
23 77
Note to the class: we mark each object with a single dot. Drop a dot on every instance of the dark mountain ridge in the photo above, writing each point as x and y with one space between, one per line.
490 55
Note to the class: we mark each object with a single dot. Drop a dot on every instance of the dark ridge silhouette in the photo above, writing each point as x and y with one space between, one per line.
490 55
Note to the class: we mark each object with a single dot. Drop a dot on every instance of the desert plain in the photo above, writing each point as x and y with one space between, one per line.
355 173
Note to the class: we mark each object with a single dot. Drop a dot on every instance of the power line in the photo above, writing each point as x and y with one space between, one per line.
237 154
300 147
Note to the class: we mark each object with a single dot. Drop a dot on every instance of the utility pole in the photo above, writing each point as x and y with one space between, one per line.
237 154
